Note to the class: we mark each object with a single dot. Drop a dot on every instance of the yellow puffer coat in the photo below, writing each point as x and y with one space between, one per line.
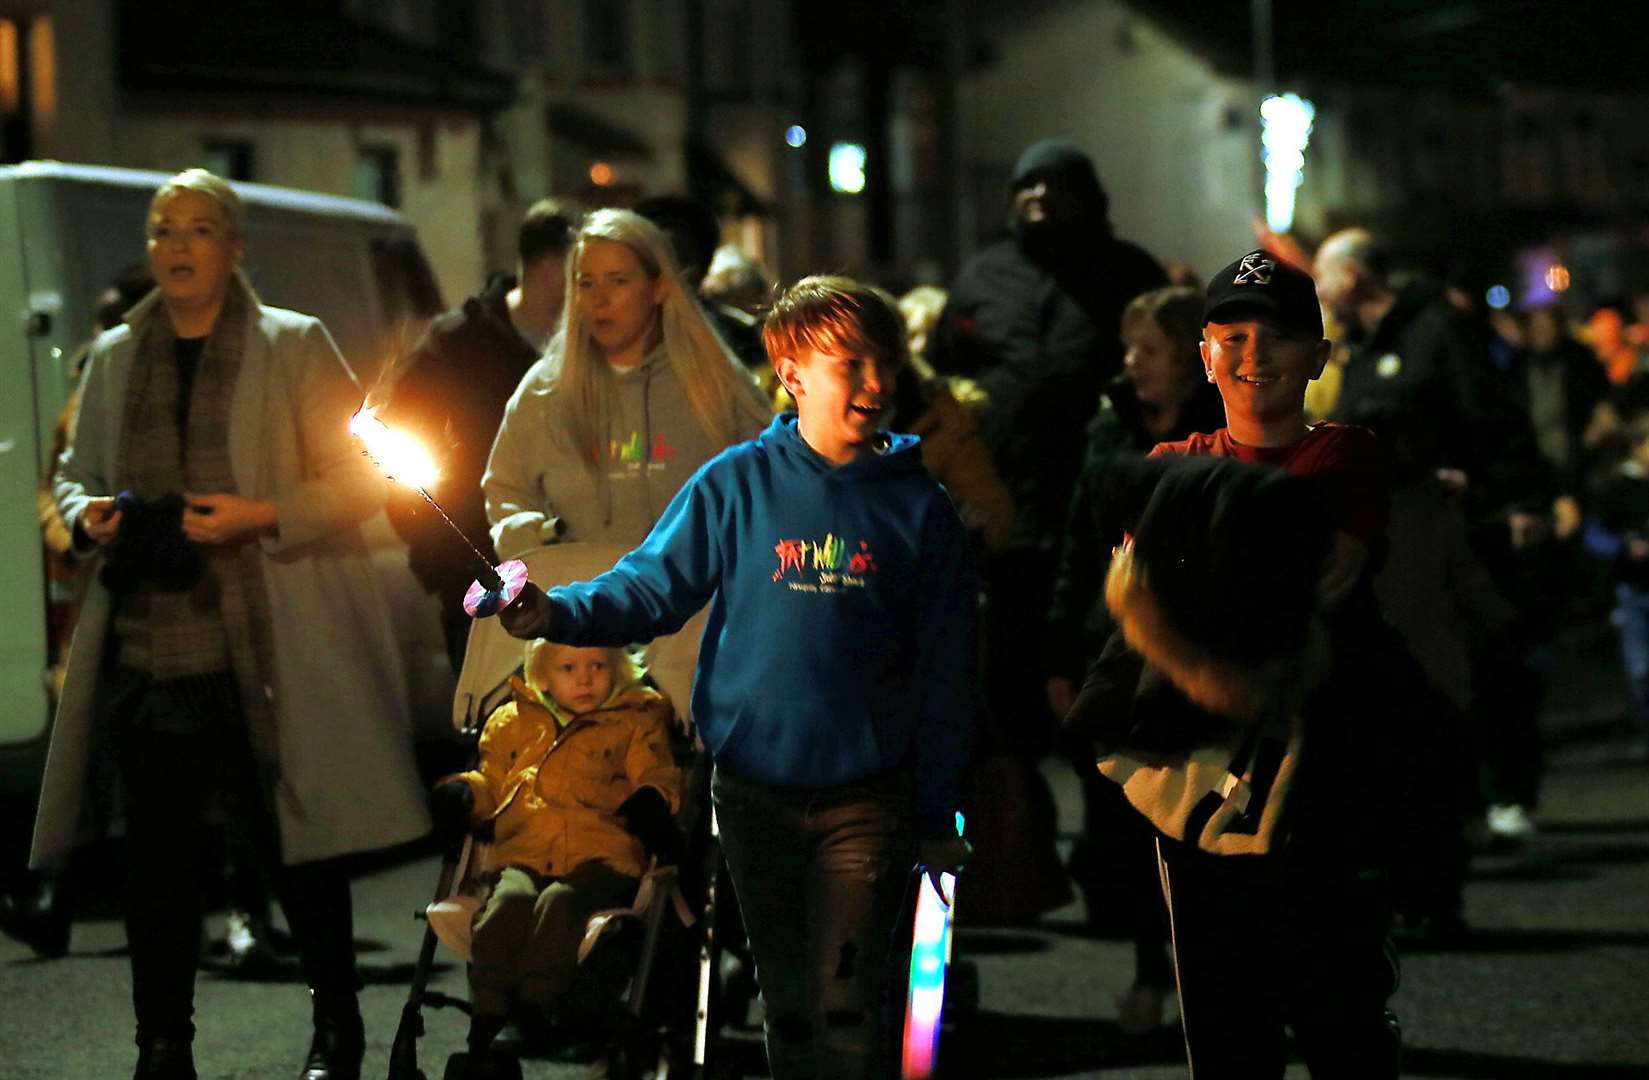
552 795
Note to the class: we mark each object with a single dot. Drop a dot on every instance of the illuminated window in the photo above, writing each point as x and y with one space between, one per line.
11 93
14 120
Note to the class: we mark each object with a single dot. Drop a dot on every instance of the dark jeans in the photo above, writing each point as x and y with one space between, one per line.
820 875
1018 584
169 780
1631 622
1117 857
1508 694
1261 943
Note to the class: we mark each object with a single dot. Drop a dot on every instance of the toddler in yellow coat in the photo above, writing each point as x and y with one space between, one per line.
578 782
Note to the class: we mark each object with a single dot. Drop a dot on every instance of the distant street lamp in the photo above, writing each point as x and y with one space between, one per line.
847 168
1285 129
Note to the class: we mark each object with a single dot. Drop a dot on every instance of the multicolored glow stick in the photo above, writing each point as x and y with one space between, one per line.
929 961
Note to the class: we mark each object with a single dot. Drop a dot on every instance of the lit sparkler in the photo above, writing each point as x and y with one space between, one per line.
404 460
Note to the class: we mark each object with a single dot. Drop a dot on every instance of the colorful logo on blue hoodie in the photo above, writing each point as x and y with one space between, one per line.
823 565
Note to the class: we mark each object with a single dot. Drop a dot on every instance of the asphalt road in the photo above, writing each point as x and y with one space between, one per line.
1553 983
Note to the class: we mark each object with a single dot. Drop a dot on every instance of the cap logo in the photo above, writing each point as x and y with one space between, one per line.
1255 269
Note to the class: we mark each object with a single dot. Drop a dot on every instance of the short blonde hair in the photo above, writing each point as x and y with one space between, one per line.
838 316
628 665
205 183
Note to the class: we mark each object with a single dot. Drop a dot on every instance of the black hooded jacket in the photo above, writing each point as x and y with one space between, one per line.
1423 382
451 397
1035 320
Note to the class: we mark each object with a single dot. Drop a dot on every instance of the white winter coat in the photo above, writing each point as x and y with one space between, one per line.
348 780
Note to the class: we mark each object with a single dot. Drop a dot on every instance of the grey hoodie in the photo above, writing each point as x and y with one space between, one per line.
654 443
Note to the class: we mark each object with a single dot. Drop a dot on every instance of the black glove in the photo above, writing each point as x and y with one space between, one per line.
450 805
647 816
528 615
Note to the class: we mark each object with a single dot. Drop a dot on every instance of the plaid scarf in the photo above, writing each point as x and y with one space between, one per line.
183 639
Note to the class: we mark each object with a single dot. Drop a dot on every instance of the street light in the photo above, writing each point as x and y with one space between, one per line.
1285 129
847 168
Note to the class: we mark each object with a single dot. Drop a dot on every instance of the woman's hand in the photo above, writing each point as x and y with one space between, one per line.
100 520
220 519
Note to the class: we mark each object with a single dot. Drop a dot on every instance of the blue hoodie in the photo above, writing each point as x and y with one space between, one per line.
840 642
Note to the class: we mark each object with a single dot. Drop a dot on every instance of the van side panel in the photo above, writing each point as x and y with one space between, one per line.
23 714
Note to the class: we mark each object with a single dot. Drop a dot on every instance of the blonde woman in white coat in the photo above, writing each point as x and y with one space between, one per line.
635 392
250 672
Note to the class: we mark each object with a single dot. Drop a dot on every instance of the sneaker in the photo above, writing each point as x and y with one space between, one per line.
1510 823
247 942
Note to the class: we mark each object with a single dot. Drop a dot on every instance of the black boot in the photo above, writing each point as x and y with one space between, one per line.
164 1059
340 1039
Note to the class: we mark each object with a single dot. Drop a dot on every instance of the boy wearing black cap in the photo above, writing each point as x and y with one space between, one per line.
1233 707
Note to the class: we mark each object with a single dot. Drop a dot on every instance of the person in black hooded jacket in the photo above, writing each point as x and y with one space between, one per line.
452 394
1034 320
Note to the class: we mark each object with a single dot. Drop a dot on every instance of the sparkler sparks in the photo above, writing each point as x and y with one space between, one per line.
404 460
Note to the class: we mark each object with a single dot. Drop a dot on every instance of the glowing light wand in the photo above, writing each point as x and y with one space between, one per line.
929 959
404 460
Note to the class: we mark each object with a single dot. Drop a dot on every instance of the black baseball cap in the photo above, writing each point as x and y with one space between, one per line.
1260 281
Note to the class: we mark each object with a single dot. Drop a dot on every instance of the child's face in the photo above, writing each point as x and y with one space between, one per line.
1262 367
1154 366
841 401
579 679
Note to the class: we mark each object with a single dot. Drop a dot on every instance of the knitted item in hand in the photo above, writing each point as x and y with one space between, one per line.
150 548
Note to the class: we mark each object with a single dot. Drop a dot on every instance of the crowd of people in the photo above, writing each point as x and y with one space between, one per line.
1246 552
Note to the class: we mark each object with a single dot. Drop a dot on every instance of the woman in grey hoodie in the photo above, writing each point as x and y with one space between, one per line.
635 392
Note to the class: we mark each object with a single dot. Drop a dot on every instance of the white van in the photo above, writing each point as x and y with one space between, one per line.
65 232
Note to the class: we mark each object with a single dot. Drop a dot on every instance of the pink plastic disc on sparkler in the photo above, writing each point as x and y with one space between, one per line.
480 601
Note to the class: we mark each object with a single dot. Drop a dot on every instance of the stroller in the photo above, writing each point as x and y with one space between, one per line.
662 954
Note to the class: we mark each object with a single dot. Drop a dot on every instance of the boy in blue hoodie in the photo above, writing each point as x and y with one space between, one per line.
834 687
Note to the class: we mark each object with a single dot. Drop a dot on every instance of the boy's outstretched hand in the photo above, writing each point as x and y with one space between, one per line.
944 855
528 615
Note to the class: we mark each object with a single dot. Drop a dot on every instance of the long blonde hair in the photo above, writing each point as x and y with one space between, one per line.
710 377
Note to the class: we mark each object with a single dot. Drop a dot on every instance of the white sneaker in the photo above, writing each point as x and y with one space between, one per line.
247 938
1509 822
